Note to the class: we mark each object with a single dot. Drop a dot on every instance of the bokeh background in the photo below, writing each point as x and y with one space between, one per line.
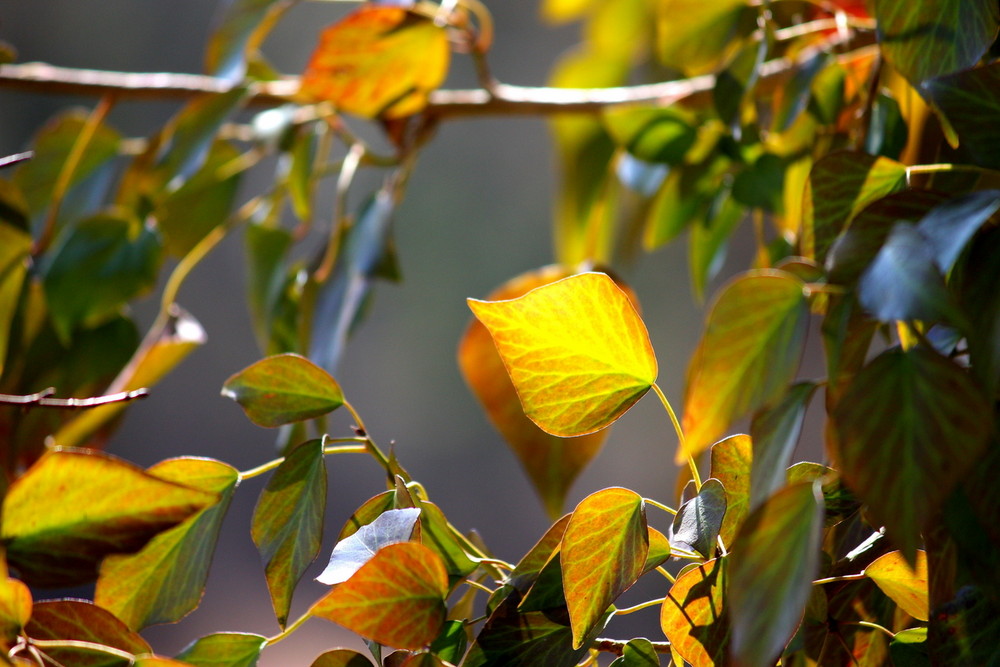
477 212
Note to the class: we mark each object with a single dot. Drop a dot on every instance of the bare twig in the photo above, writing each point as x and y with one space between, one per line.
617 646
44 399
9 160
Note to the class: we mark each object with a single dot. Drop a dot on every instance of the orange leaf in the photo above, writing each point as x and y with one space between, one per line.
694 618
378 61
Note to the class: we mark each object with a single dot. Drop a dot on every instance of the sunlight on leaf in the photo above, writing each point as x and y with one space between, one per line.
283 389
224 649
15 606
391 527
906 586
378 61
731 464
695 618
638 652
576 350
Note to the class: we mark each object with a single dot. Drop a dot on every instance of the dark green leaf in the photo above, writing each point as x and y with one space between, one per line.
224 649
288 522
909 648
189 135
528 568
796 94
904 432
775 432
977 277
435 533
762 184
165 580
838 500
341 657
887 131
267 281
638 652
239 29
734 84
390 527
927 38
283 389
731 465
80 620
653 134
775 559
698 521
969 101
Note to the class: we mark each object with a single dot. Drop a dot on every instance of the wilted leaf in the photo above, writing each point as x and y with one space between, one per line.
775 432
224 649
391 527
696 526
341 657
576 350
775 558
282 389
165 580
905 430
748 354
72 508
927 38
15 246
695 615
397 598
378 61
906 586
603 553
80 620
551 462
288 522
969 102
732 461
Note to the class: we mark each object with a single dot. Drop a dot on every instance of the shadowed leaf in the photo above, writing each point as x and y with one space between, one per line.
695 615
397 598
775 432
906 586
390 527
82 621
224 649
283 389
638 652
948 227
15 245
697 524
909 648
576 350
969 102
731 464
341 657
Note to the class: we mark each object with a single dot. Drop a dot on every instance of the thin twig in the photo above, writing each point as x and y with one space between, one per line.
44 399
617 646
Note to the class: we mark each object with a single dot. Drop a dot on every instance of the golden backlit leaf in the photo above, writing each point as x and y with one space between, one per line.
906 586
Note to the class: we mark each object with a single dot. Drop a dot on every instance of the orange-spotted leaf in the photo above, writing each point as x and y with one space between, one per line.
551 462
731 463
694 616
397 598
603 553
576 350
282 389
378 61
906 586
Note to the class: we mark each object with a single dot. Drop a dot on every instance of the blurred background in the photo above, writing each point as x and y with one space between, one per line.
477 212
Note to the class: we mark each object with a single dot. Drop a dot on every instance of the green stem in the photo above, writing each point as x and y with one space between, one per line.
639 607
845 577
342 449
874 626
659 505
290 629
680 435
666 574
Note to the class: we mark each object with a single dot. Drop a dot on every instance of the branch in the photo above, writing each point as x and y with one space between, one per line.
43 399
617 646
501 100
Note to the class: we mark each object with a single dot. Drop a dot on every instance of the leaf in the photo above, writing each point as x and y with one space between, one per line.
282 389
748 354
909 648
840 185
390 527
838 501
436 534
15 246
378 61
266 250
74 507
775 559
904 432
707 241
238 30
969 104
904 585
451 644
928 38
732 461
948 227
700 37
527 569
80 620
653 134
603 553
576 350
552 463
15 607
696 526
659 550
288 522
165 580
397 598
638 652
775 432
976 278
695 615
341 657
224 649
96 267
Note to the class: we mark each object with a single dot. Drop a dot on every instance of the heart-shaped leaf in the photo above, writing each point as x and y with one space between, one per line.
397 598
695 618
576 350
378 61
224 649
603 553
391 527
906 586
283 389
697 524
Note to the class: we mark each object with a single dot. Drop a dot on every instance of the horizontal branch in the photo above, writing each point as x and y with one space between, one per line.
44 399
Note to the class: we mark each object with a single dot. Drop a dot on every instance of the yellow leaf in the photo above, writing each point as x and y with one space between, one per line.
905 586
576 350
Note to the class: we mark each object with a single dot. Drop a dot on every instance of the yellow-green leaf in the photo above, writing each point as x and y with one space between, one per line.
282 389
83 621
15 245
906 586
694 617
224 649
15 606
576 350
397 598
603 553
731 463
747 356
378 61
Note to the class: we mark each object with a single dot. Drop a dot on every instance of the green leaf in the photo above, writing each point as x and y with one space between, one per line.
185 141
696 526
451 644
707 241
732 461
165 580
653 134
909 648
341 657
436 534
80 620
905 586
700 37
72 508
904 432
775 432
838 500
761 184
969 102
603 552
576 350
266 250
638 652
224 649
15 247
976 278
749 352
695 615
349 554
840 185
96 267
239 30
734 85
288 522
927 38
528 568
282 389
887 132
775 559
397 598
